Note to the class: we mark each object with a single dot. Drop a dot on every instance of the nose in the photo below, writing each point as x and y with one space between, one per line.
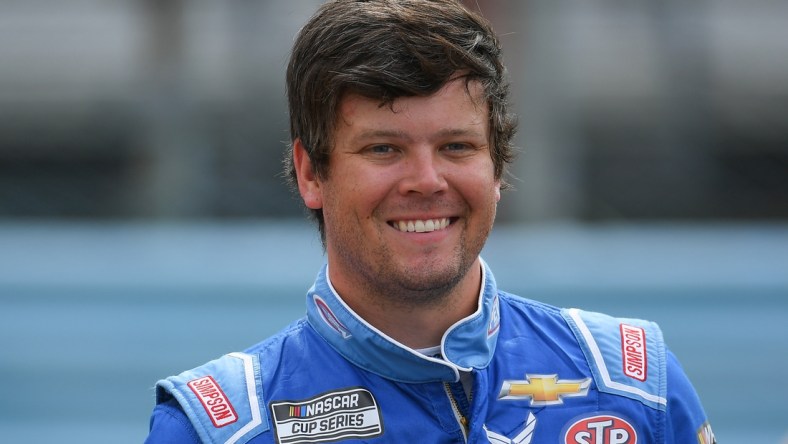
424 174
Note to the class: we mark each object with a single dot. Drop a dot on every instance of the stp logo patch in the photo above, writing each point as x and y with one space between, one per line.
601 429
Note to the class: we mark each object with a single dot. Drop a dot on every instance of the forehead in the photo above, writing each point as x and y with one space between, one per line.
459 103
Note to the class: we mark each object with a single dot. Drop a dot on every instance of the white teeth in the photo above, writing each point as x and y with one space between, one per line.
421 226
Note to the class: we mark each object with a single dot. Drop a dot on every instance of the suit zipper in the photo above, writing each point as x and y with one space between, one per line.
457 413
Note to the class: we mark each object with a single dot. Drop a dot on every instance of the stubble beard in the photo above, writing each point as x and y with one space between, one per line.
390 284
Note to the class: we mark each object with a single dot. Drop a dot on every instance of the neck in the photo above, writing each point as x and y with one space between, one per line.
417 319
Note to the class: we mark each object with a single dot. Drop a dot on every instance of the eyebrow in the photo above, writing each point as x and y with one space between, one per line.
395 134
381 133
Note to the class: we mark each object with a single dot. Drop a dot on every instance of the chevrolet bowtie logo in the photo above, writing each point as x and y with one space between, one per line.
543 389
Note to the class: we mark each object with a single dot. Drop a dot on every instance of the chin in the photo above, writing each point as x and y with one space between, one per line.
428 279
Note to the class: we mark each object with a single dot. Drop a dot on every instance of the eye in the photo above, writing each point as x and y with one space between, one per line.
380 149
456 147
380 152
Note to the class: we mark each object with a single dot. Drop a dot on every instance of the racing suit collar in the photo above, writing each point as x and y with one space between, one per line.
468 344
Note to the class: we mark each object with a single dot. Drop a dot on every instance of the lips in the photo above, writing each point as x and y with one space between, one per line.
421 225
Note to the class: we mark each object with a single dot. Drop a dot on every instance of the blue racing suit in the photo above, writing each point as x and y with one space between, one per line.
515 371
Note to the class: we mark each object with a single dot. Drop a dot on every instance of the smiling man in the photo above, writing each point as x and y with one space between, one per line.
400 141
408 203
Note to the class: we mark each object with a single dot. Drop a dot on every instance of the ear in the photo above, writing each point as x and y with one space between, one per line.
308 185
498 190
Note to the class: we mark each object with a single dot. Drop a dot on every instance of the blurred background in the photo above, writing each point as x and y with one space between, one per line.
145 227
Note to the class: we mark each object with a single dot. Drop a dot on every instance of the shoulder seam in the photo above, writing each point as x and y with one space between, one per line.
296 327
519 300
229 381
605 382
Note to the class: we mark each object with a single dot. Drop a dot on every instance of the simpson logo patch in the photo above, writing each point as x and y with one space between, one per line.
333 416
633 351
214 401
601 429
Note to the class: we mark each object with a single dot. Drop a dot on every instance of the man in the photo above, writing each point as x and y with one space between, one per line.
400 138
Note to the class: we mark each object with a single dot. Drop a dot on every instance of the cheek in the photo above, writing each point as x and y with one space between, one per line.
353 194
478 186
368 187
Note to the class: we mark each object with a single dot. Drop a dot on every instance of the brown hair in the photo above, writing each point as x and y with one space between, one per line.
385 49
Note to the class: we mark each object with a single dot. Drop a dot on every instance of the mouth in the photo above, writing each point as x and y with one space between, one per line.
421 225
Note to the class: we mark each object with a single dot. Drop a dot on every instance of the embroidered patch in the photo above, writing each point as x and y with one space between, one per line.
329 318
214 401
495 318
332 416
543 389
524 437
600 429
633 351
705 435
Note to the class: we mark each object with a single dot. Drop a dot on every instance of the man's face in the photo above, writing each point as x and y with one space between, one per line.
410 196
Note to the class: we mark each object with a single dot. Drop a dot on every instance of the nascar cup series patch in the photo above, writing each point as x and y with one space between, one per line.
332 416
